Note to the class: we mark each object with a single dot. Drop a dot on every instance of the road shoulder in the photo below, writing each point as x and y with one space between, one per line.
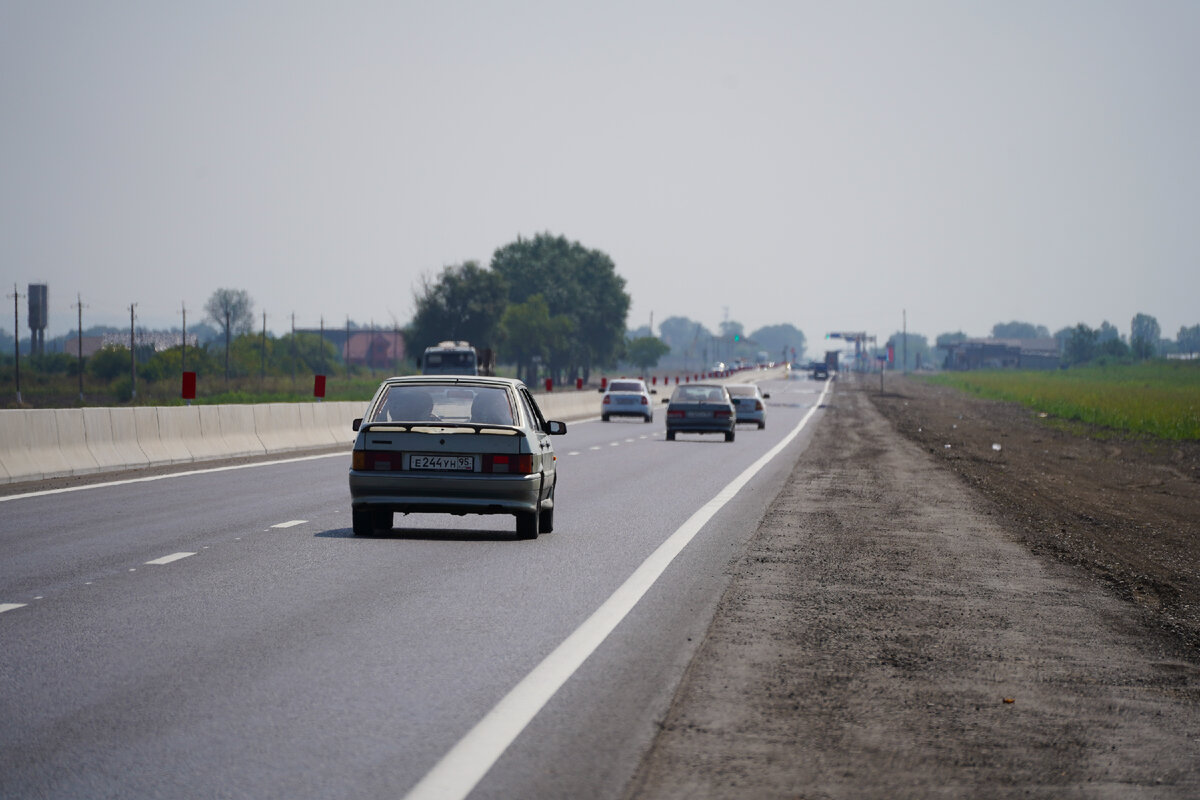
885 636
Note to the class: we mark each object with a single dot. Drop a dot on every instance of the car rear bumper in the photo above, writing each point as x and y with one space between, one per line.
452 494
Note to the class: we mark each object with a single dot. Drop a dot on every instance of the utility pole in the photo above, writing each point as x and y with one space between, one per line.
905 330
16 296
183 352
322 344
227 347
293 351
347 351
262 375
79 308
132 357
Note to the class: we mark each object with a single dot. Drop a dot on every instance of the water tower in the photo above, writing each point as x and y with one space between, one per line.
38 311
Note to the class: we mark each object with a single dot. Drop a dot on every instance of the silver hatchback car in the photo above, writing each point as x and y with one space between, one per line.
456 445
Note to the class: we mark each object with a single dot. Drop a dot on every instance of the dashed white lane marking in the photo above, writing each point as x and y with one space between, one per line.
594 447
170 558
290 523
574 453
11 606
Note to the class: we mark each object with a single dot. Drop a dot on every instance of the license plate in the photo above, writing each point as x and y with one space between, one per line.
441 463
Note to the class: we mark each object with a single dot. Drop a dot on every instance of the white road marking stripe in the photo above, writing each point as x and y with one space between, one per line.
170 558
467 762
10 606
66 489
573 453
290 523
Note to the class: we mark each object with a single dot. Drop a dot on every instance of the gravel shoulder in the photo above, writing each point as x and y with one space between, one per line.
909 622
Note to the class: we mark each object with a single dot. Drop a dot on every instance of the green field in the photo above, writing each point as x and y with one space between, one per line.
1157 398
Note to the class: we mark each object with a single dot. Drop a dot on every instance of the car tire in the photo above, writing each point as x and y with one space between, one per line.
361 520
527 524
604 417
670 436
762 425
729 436
381 521
649 418
546 520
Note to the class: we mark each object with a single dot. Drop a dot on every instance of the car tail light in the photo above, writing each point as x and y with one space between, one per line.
645 400
607 399
513 465
370 461
758 406
721 413
676 414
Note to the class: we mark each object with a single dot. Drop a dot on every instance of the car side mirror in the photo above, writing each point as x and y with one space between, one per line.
654 391
356 424
666 400
766 396
556 428
601 391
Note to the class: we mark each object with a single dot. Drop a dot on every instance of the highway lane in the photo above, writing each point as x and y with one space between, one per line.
305 662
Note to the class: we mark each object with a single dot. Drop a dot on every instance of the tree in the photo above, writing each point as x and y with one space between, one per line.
527 332
233 312
465 303
645 351
685 337
1081 345
919 354
574 282
781 340
1019 330
1189 339
1106 332
1144 334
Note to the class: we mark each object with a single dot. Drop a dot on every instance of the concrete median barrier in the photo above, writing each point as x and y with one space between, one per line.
237 429
185 433
112 438
15 455
161 435
72 441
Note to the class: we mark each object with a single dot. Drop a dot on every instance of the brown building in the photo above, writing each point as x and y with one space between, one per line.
1003 354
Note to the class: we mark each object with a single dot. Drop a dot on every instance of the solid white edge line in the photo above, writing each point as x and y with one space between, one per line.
170 558
147 479
458 772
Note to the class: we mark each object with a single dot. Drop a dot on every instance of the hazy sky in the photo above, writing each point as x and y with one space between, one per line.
824 164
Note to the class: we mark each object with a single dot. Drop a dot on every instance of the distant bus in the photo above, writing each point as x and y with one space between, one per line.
450 358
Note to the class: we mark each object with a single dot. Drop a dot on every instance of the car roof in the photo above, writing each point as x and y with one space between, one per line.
454 380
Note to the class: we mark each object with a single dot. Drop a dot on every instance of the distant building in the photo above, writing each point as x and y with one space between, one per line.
374 349
1002 354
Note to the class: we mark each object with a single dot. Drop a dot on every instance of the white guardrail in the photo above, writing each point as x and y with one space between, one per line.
36 444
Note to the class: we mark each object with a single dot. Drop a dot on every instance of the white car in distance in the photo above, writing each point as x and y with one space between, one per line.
627 398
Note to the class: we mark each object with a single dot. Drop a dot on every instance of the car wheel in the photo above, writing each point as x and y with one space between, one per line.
362 522
762 425
649 418
604 417
729 436
527 525
670 436
546 520
381 521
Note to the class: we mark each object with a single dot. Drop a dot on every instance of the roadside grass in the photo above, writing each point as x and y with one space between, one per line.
1155 398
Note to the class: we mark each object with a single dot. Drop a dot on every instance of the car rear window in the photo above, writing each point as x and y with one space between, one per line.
742 391
431 403
698 394
624 386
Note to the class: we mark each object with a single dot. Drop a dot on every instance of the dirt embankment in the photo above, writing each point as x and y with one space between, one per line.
892 633
1126 510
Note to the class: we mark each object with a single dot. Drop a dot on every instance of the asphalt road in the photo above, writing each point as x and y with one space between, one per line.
222 634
